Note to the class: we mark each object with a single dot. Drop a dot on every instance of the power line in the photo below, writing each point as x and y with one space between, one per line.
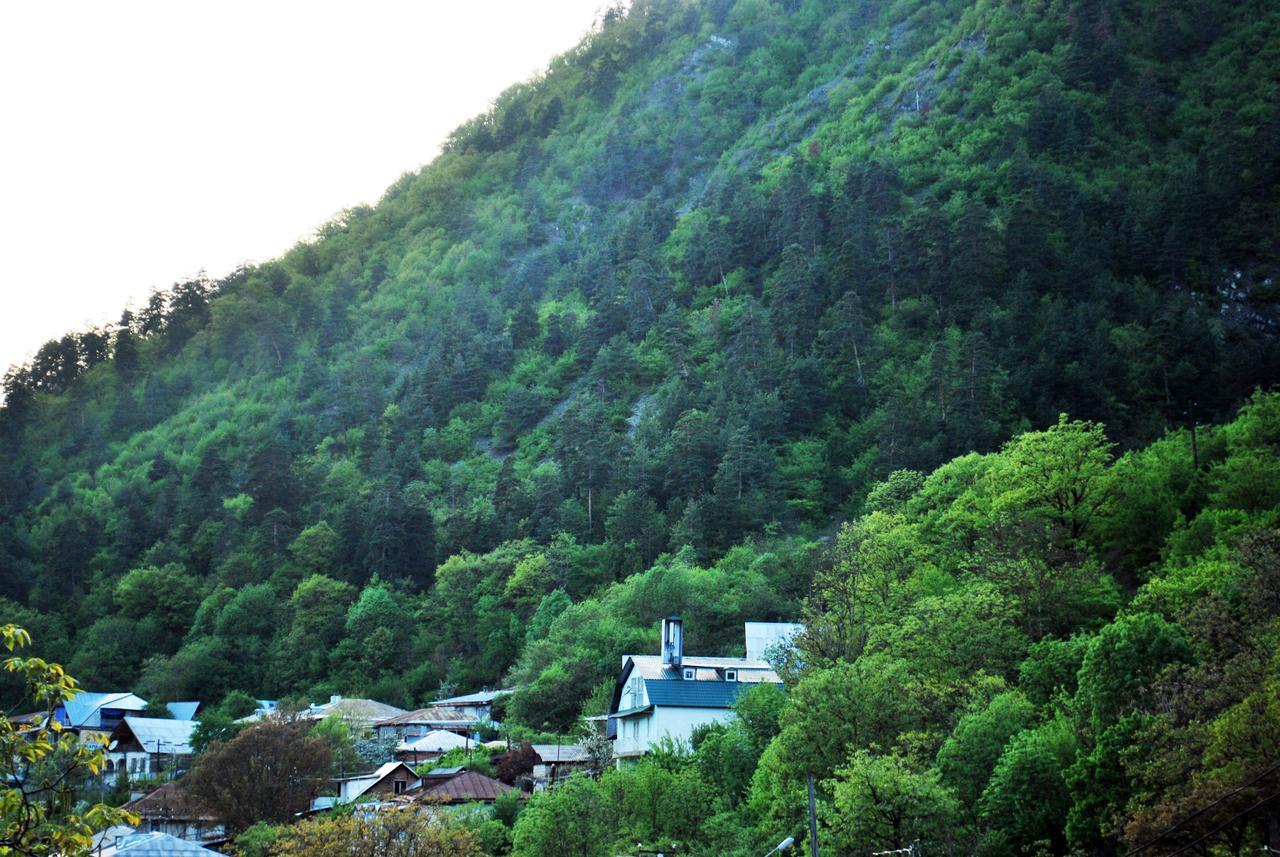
1202 810
1220 827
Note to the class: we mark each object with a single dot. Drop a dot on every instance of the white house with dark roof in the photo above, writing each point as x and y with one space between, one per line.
669 694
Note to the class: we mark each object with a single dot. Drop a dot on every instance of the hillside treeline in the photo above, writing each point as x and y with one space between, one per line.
652 327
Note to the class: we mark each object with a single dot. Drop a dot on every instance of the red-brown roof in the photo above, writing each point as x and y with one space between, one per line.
171 800
466 787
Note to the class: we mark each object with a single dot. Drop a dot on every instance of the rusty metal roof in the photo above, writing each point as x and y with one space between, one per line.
466 787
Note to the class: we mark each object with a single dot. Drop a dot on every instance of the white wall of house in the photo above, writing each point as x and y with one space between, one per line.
139 764
352 789
637 734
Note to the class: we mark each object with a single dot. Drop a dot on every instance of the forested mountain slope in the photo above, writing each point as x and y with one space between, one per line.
705 282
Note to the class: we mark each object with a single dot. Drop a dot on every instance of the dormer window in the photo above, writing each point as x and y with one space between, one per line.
690 673
730 675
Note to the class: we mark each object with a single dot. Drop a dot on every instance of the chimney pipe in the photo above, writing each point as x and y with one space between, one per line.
672 641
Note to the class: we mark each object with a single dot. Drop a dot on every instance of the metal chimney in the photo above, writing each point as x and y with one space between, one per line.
672 641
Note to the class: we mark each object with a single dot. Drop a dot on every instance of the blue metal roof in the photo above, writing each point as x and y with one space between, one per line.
84 710
695 694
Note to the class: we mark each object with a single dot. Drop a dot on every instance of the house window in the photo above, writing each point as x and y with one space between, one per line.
690 673
730 675
400 786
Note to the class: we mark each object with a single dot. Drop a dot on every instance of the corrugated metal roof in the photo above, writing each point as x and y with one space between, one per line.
159 845
478 698
695 694
466 787
366 710
436 773
158 735
84 710
435 741
430 716
631 712
551 753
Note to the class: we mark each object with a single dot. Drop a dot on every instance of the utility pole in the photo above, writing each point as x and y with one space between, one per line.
1195 447
813 821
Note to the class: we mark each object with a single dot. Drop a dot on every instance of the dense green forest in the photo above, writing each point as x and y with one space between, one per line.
1044 650
765 309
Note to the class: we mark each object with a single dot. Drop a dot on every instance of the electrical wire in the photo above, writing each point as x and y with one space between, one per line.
1224 824
1202 810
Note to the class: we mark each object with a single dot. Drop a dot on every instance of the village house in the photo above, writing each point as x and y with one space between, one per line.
393 778
478 706
430 747
669 694
359 713
149 746
557 761
452 786
92 716
170 809
409 726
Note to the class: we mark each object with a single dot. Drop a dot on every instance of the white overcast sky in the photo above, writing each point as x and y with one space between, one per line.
141 142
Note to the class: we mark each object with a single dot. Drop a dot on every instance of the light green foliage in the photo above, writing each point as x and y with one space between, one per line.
1058 478
40 763
867 703
880 802
574 819
257 841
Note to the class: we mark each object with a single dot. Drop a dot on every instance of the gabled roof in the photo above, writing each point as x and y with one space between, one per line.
695 694
562 753
159 845
366 710
435 741
466 787
84 710
480 698
381 774
158 735
430 716
170 801
183 710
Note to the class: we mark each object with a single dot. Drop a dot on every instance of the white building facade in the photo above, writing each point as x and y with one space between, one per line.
667 696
